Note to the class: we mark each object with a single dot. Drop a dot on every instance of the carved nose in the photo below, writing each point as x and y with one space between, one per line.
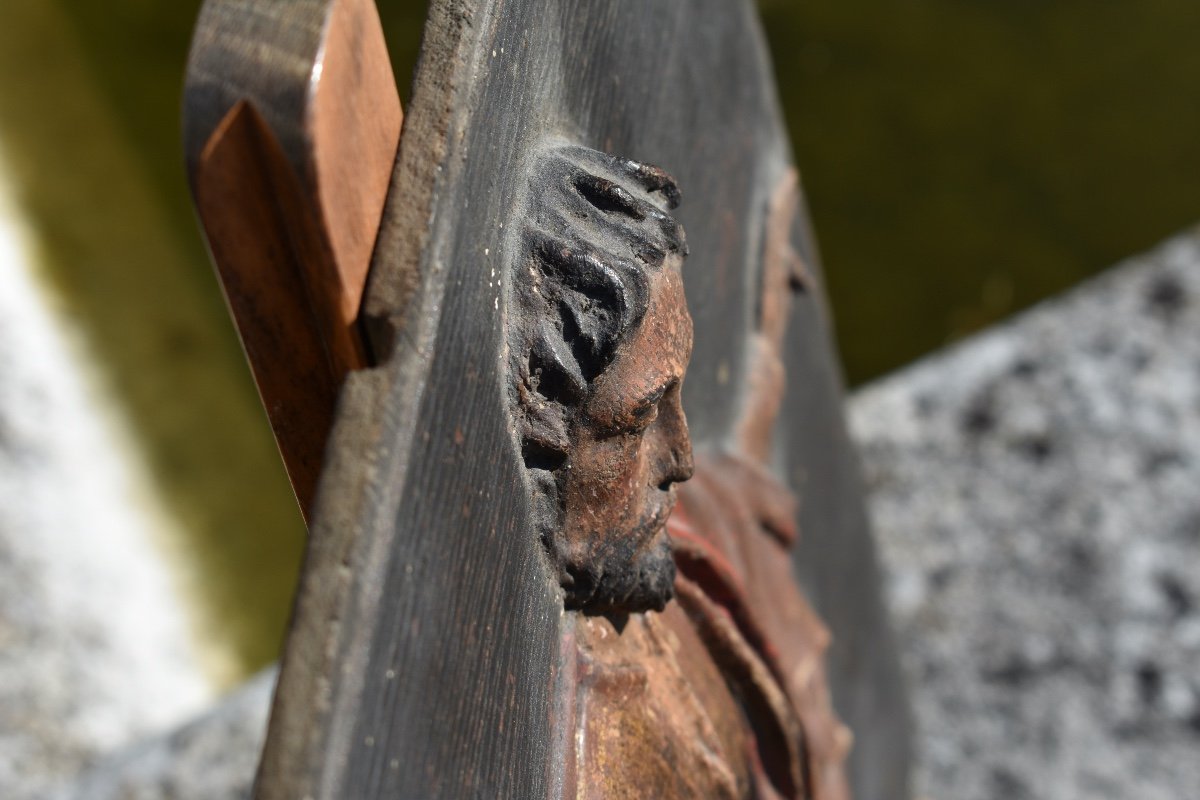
673 426
685 465
679 465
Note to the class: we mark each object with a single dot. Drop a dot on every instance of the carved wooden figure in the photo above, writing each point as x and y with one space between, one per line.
587 494
700 701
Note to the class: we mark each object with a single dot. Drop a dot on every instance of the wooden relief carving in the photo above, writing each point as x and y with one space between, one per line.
599 338
732 537
722 695
529 575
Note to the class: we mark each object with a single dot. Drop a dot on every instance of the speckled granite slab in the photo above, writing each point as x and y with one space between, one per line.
1036 497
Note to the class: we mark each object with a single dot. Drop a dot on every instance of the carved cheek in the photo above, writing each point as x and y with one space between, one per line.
607 473
630 459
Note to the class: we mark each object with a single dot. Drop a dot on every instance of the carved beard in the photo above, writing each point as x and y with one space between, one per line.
635 573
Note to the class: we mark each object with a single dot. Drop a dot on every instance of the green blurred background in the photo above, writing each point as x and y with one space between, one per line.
963 159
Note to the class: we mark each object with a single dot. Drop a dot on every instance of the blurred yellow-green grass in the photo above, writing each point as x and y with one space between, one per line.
962 161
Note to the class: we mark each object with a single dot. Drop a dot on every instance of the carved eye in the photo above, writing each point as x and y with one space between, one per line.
631 421
642 417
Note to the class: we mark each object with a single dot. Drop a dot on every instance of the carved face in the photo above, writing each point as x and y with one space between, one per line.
629 447
599 338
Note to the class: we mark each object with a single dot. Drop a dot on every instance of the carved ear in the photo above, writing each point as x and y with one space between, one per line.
557 371
592 328
596 303
543 432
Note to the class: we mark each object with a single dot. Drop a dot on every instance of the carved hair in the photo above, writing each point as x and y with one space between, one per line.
579 309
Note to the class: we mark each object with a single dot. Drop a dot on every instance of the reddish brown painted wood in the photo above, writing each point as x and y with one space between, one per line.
258 252
290 196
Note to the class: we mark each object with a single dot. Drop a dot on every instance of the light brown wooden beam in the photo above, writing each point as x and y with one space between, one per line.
292 122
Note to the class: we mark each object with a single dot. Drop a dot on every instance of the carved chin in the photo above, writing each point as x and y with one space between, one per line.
621 581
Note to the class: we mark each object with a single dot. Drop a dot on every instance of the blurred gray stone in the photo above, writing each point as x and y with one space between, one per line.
212 758
1036 495
96 646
